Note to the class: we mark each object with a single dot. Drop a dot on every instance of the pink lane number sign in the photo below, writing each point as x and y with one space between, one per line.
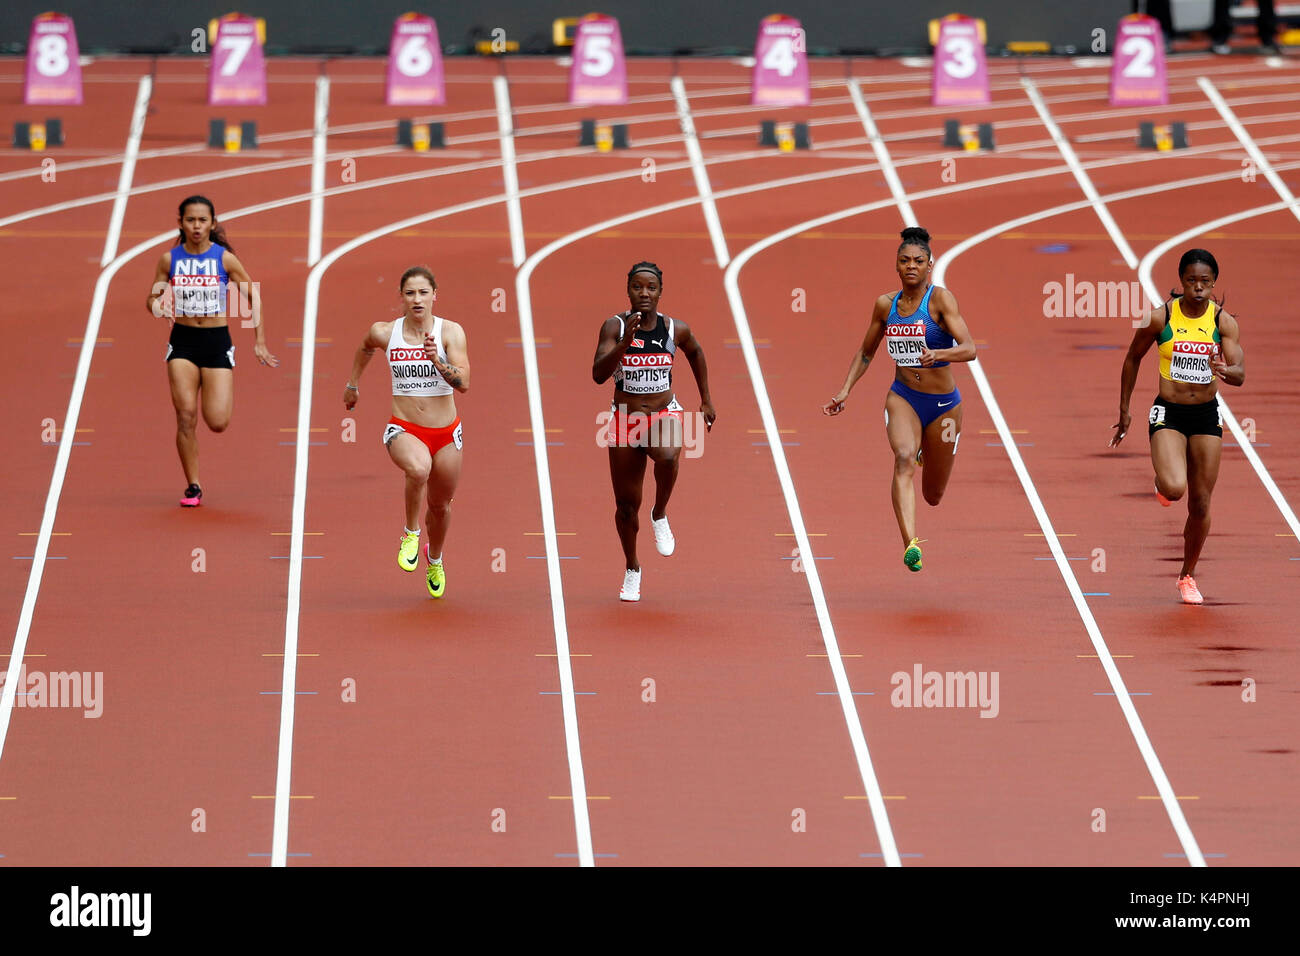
415 63
780 63
960 74
53 62
598 73
237 71
1137 69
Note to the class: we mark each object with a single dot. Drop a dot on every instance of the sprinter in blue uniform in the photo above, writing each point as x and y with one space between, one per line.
192 286
923 331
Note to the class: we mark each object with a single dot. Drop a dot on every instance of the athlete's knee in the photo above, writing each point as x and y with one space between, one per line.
187 419
932 495
438 509
905 461
625 509
418 470
1171 490
218 425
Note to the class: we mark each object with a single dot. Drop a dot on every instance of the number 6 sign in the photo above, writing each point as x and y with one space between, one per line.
1137 69
960 74
53 62
598 73
237 71
415 63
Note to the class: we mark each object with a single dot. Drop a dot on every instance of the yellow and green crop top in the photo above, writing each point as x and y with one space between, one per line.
1186 345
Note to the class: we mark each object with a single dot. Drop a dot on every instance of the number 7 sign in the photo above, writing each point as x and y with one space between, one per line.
237 71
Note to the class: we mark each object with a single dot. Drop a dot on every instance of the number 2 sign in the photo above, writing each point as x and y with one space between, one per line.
960 74
53 62
237 71
415 63
1137 69
598 73
780 63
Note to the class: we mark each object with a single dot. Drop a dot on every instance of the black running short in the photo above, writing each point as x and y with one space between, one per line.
207 348
1202 419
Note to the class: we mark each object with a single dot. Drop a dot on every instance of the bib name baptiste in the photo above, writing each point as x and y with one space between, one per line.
1190 362
906 342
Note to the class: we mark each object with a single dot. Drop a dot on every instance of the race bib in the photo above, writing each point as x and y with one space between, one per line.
456 436
1157 416
1190 362
906 342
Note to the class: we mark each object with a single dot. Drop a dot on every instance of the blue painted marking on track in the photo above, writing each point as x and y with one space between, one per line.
1183 856
1054 248
1111 693
1256 444
1096 593
855 693
48 557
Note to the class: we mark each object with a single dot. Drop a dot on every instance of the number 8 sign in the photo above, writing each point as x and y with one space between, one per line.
415 63
598 73
53 62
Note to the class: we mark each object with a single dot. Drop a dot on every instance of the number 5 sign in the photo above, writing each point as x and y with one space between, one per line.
415 63
1137 70
598 74
960 74
53 62
237 71
780 63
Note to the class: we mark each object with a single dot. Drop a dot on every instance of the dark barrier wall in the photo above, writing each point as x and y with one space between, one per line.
664 26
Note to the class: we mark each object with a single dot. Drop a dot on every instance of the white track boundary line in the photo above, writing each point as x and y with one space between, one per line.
1243 137
546 499
71 417
127 174
702 186
506 136
320 129
1144 276
1085 183
882 154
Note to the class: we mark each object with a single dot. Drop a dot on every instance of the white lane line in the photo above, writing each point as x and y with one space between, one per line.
875 797
320 131
1085 183
1144 276
73 414
710 208
1243 137
882 154
514 213
128 170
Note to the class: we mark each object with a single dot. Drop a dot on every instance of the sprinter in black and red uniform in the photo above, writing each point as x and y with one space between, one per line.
637 348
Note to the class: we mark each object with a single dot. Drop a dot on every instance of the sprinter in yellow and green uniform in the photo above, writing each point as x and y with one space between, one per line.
1198 343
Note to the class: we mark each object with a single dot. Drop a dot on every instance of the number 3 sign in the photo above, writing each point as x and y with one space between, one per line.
960 74
53 62
1137 69
598 73
415 63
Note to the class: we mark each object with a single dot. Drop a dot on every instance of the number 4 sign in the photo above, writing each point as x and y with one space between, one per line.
53 62
780 63
598 73
415 63
237 71
1137 70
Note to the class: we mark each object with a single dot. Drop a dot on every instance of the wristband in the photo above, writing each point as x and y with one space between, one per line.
351 388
